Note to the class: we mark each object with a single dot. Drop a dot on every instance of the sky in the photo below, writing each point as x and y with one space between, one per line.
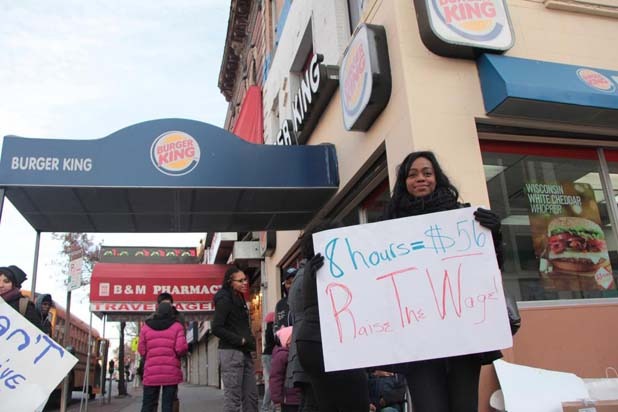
77 69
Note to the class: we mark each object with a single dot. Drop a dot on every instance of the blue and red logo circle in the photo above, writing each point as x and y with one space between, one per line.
175 153
356 76
596 80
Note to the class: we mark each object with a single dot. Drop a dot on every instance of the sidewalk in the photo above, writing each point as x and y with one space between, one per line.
193 398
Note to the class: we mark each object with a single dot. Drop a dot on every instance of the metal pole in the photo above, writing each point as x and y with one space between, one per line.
65 339
109 392
35 267
1 201
103 360
87 380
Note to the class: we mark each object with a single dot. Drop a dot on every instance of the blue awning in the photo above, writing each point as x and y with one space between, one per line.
539 90
166 175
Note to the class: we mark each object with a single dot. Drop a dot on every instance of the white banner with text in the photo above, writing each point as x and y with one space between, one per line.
31 363
408 289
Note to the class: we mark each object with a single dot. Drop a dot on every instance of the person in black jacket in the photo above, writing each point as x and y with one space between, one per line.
338 391
283 317
231 325
444 384
11 278
43 304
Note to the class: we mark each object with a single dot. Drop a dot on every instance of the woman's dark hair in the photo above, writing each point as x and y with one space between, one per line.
400 190
227 278
163 310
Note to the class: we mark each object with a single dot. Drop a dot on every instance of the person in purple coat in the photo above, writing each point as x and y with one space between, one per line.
287 398
161 343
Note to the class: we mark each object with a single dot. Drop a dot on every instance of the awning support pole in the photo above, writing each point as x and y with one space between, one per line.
87 380
1 201
65 341
35 266
104 361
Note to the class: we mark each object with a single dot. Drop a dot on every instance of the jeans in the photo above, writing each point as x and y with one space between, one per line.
151 397
266 403
239 386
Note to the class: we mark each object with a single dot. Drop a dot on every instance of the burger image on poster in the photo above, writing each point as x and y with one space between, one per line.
576 246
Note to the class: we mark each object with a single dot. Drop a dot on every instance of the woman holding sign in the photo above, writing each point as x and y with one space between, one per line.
445 384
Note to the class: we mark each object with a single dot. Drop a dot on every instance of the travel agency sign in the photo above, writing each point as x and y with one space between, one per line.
464 28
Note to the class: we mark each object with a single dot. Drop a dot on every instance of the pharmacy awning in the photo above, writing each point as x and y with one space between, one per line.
541 90
129 291
168 175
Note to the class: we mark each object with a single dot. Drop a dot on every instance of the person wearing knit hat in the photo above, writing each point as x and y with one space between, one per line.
282 309
288 398
11 279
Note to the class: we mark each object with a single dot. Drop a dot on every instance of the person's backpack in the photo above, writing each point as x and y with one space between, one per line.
23 305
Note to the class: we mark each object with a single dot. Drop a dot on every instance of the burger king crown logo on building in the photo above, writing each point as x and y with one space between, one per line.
596 80
355 69
479 22
175 153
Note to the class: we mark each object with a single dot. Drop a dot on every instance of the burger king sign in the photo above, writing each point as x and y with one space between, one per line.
175 153
464 28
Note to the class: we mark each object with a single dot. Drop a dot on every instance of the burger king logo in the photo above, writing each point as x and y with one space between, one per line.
356 78
475 20
175 153
596 80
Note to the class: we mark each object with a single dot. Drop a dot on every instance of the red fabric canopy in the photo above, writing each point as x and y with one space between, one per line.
133 288
250 123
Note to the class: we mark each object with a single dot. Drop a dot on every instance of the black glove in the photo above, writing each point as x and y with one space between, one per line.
488 219
316 262
491 221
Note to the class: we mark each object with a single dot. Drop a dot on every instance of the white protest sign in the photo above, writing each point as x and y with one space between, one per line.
408 289
31 363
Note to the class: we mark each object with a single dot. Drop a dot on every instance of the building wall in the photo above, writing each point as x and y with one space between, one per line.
213 362
435 104
330 31
202 378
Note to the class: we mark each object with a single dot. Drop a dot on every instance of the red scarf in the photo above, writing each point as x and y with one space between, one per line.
11 295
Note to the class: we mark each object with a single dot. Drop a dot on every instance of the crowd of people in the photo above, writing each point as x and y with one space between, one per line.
293 358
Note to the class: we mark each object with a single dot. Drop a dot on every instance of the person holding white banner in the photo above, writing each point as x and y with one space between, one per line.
444 384
11 279
336 391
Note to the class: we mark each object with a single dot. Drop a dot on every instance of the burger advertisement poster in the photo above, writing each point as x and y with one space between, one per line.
567 237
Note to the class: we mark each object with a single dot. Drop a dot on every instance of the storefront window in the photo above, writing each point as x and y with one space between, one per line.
557 235
371 209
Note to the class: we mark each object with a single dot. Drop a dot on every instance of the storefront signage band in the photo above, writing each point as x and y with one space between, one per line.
317 85
132 307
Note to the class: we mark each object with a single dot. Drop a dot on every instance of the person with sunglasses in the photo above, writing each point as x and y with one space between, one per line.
231 324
